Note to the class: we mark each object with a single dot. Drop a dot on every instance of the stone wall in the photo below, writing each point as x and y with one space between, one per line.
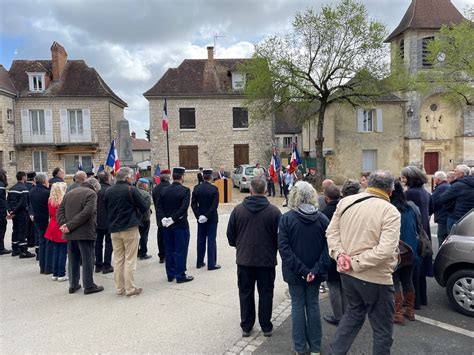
213 135
6 136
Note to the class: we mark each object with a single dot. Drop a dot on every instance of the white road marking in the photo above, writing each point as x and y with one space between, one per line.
445 326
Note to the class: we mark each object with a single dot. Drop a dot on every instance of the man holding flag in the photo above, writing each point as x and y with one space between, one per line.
295 160
272 178
112 163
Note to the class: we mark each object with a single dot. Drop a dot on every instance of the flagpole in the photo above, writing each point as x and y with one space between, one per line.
168 147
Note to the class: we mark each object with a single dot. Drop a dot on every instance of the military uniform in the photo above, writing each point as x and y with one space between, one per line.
17 203
204 203
156 196
32 238
173 205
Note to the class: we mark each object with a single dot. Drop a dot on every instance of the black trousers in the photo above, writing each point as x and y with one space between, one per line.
264 277
103 259
143 229
271 188
31 238
403 279
161 243
365 298
3 229
19 232
77 249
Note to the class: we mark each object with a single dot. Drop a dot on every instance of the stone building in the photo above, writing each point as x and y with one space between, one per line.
141 151
288 130
7 105
64 114
208 123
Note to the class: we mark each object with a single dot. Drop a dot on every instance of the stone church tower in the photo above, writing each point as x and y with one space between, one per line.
439 134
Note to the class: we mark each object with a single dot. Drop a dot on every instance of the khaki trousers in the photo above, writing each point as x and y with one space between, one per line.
125 249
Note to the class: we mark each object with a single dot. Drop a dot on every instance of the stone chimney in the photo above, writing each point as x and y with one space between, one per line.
134 135
59 59
210 53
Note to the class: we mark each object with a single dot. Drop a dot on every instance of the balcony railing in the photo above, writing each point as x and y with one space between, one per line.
55 138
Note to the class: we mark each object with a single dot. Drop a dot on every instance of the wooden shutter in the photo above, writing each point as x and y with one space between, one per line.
360 120
188 156
379 120
48 126
241 154
25 127
64 125
86 122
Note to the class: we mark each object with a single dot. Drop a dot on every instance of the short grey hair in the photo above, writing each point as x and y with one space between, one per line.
350 187
92 181
124 173
41 178
381 179
80 177
165 177
258 186
303 193
464 169
441 175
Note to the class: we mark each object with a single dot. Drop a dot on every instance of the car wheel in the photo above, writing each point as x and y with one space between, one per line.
460 289
240 188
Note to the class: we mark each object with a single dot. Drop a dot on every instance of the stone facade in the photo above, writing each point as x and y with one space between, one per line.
7 148
214 134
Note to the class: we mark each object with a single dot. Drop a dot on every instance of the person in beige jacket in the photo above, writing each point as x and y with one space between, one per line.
363 238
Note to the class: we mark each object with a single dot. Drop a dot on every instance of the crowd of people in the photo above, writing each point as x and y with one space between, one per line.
94 221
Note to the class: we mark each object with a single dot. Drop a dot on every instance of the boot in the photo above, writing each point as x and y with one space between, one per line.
398 316
409 311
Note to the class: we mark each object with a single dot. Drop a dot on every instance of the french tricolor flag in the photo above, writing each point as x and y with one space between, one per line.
164 122
274 165
112 161
295 160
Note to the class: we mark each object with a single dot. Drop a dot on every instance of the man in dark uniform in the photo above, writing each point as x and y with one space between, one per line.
173 206
32 240
200 176
17 204
164 183
204 203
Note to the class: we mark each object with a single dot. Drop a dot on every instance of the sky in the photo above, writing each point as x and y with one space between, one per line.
131 43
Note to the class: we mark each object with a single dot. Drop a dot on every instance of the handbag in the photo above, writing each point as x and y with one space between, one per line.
405 254
425 249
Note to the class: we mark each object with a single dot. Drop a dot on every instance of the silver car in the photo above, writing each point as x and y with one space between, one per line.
242 176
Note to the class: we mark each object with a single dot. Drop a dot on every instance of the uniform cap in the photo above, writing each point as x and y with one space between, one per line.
143 181
179 171
166 172
30 175
207 172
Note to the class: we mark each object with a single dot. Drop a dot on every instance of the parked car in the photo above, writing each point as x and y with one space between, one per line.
454 265
242 176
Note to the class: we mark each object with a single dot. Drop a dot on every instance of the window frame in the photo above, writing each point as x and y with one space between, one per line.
10 117
238 84
38 118
79 161
76 133
374 156
12 157
186 114
43 161
237 118
366 120
39 85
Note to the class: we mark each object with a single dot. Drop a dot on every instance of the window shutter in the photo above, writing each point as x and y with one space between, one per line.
86 121
44 161
419 53
64 126
360 120
48 126
25 127
379 120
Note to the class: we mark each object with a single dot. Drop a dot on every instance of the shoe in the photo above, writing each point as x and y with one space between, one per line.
26 255
37 254
15 253
285 205
48 272
216 267
93 289
74 289
98 269
108 270
331 320
268 334
54 278
170 279
408 310
5 251
398 315
42 271
162 260
136 292
145 257
63 278
198 266
186 279
245 334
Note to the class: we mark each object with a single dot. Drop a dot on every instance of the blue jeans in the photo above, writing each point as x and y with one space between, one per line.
59 259
305 317
45 250
207 231
442 233
176 245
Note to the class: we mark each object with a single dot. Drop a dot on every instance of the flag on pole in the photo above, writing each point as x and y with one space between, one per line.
274 165
164 122
295 159
79 167
101 168
112 161
157 170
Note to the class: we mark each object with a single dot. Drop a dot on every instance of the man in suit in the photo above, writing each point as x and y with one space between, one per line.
200 176
156 195
173 206
204 203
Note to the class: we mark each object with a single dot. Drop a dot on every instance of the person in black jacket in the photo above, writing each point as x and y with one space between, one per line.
173 206
3 212
200 176
39 196
124 205
204 203
58 176
103 258
253 231
17 203
305 260
157 190
32 239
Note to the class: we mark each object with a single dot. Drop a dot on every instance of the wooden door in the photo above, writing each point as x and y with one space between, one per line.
241 154
188 156
431 162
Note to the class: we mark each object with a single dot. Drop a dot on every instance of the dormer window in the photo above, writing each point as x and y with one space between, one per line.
238 81
36 81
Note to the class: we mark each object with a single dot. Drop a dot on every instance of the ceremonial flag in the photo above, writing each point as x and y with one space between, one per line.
101 168
158 170
112 161
295 159
79 167
274 165
164 122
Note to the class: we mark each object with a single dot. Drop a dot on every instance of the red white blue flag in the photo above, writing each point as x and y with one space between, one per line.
274 165
164 122
295 160
112 161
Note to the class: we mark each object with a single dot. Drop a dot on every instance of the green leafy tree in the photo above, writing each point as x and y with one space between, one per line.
334 55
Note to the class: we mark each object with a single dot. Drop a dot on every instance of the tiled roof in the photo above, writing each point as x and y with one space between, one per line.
140 144
200 77
77 79
427 14
5 82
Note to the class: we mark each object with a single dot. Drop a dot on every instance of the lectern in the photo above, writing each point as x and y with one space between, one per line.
225 190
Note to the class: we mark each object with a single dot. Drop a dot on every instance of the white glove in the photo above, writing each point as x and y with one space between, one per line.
170 221
164 222
202 219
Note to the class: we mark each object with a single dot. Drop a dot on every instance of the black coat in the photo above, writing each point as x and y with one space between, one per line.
39 196
174 203
156 195
328 211
124 204
17 201
253 230
440 209
200 178
102 222
303 247
55 179
3 200
205 201
461 192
